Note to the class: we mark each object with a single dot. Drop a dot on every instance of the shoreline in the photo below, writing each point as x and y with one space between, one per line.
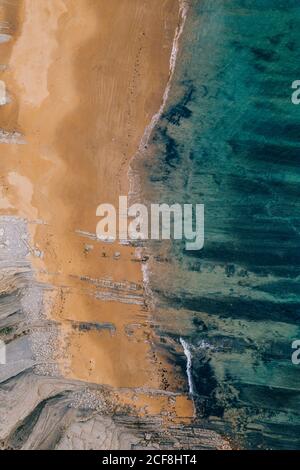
41 175
69 298
183 11
134 178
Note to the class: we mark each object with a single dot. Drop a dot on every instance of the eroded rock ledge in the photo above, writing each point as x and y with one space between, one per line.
39 409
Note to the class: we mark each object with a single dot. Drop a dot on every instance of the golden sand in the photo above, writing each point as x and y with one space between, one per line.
85 78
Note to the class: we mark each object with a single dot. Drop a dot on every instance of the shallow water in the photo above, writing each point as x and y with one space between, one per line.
229 138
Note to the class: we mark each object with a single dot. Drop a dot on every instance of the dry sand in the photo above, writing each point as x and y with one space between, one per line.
85 78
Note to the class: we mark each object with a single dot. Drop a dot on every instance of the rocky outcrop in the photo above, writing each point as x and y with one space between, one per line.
39 409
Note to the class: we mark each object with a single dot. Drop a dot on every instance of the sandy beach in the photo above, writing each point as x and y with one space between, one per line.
84 79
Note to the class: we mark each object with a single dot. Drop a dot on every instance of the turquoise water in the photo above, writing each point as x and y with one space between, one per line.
229 138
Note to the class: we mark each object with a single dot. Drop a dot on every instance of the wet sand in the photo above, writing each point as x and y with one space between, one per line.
85 78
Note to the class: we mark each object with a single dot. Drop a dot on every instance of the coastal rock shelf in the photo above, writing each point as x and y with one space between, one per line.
68 414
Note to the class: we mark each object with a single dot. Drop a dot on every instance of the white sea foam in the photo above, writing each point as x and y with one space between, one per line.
173 58
188 356
134 180
205 345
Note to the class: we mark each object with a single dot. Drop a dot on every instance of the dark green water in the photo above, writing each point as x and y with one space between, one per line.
230 138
